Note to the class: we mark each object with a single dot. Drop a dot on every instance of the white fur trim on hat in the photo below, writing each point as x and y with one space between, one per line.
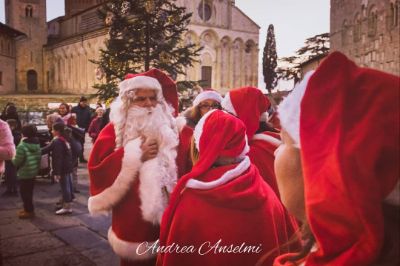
103 202
227 104
207 95
139 82
131 250
289 109
225 178
198 130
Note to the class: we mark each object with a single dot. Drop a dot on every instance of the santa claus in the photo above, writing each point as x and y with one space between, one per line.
253 112
133 167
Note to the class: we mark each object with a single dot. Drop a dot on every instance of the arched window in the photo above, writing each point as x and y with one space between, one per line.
372 21
357 28
394 14
205 10
28 11
32 80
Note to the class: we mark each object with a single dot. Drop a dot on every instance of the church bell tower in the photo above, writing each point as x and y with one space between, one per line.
29 17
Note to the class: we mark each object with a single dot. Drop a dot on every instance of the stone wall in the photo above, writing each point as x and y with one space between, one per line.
368 32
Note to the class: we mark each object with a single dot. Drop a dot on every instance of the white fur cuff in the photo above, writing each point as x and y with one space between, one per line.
130 250
131 162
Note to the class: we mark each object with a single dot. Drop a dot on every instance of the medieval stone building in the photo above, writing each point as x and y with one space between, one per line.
367 31
54 57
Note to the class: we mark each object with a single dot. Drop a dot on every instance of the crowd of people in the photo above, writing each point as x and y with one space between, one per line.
63 143
220 184
231 181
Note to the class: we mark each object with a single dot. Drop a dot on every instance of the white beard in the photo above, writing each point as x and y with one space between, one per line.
157 175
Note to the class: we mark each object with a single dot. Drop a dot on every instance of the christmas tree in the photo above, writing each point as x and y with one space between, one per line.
269 60
143 34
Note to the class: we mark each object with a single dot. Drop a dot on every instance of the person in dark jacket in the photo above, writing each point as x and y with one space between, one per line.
27 161
62 165
10 169
10 112
83 117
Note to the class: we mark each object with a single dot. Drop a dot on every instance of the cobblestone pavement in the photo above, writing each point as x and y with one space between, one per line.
52 240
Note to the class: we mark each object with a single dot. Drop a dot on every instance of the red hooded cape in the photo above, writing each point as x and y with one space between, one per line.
243 212
349 136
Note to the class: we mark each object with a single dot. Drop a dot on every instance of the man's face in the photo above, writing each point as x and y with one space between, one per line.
145 98
83 104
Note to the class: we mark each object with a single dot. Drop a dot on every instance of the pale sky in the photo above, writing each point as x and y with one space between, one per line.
294 21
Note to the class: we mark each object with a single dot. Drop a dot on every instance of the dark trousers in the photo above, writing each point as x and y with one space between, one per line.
82 141
10 175
66 188
26 191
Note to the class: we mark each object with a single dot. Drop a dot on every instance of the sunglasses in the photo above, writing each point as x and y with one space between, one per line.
210 106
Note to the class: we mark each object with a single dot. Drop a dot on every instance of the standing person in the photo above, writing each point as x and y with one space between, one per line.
337 173
65 113
253 111
223 203
96 124
7 148
10 112
61 155
27 161
10 173
132 165
83 117
205 101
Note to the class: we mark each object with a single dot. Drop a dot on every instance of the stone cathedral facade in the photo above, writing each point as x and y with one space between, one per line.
54 56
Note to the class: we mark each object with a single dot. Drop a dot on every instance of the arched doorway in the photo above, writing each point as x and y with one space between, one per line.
32 80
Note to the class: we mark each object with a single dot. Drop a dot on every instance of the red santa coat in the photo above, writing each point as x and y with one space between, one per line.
111 172
244 210
262 148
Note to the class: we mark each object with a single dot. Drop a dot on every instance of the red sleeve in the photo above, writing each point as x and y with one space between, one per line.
104 162
183 160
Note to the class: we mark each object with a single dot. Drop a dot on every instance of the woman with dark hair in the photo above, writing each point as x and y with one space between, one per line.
338 165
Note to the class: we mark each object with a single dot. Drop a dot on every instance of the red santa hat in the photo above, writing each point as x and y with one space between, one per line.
207 94
152 79
249 104
346 120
